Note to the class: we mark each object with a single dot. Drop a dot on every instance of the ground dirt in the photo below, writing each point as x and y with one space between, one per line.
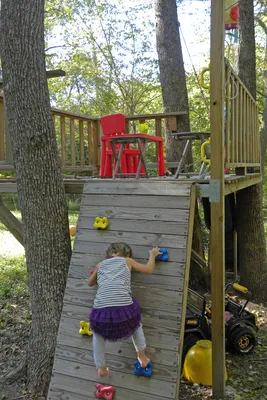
247 374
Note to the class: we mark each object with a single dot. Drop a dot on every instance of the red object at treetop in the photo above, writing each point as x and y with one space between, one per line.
234 13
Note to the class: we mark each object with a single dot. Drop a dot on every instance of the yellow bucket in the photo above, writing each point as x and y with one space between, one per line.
198 364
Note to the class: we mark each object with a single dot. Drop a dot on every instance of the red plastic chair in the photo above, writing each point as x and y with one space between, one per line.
114 125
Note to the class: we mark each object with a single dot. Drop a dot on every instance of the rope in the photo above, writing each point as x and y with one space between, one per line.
195 72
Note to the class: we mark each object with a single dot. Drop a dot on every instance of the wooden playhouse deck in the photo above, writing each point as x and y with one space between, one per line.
144 214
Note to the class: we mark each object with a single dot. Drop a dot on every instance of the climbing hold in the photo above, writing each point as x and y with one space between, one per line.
104 392
164 256
85 328
72 230
101 223
138 370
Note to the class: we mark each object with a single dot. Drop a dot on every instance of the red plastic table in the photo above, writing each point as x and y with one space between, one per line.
141 139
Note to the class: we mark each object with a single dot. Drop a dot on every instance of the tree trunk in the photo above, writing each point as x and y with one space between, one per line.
40 186
172 74
250 228
174 95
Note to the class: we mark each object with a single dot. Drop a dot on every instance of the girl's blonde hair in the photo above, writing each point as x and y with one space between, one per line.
120 249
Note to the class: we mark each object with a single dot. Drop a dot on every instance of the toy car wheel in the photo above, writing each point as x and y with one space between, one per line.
242 340
189 341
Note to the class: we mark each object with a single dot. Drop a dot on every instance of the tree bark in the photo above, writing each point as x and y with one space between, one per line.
175 98
172 74
40 185
250 227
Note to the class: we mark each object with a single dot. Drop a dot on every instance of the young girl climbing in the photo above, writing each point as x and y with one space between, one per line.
116 315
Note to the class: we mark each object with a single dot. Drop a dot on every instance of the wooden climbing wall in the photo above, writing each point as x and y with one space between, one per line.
143 214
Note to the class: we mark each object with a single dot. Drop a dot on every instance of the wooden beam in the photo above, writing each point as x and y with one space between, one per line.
11 223
241 183
55 73
155 116
70 187
217 256
198 259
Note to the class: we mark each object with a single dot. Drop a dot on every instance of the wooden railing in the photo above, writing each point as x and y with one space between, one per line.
78 140
242 148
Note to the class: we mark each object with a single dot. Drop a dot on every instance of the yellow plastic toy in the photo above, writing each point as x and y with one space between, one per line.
203 155
101 223
143 128
198 364
85 328
202 80
240 288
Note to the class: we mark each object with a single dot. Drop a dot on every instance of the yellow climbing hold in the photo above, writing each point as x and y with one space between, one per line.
101 223
85 328
198 363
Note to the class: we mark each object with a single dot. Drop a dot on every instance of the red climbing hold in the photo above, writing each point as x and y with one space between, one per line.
104 392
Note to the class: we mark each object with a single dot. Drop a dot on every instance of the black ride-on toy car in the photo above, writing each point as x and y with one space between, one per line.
240 324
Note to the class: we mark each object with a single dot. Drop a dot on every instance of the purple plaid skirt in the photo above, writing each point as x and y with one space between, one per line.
116 323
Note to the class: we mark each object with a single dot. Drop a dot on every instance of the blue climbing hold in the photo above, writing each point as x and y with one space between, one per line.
138 370
164 256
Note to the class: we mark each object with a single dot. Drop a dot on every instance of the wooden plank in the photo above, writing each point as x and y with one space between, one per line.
72 143
231 187
228 115
135 238
217 255
132 187
155 116
117 362
258 137
85 295
156 281
119 380
182 314
157 340
240 136
2 131
90 142
63 140
8 187
158 127
249 130
149 319
175 255
233 157
67 114
130 201
95 143
135 225
78 270
244 126
11 223
236 110
66 387
81 137
136 213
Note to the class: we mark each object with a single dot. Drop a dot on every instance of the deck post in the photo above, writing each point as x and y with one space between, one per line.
217 256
